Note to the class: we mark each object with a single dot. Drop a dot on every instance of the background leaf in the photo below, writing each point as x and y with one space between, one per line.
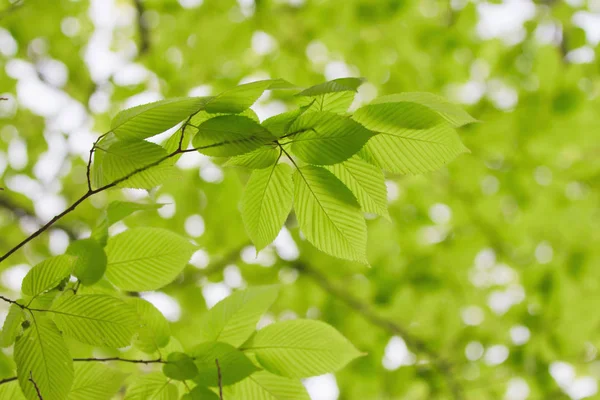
11 326
146 258
152 386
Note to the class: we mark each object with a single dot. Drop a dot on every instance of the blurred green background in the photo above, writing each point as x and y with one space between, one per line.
485 283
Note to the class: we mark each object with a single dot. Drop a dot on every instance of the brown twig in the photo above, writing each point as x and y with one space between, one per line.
37 389
219 378
6 380
94 359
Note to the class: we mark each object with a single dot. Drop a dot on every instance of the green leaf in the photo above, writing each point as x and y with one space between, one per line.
152 386
12 391
412 139
279 125
301 348
41 355
124 158
200 393
234 319
11 326
47 275
337 102
204 116
234 365
91 260
142 259
96 319
243 96
263 157
115 212
326 138
263 385
95 381
452 113
329 215
335 85
230 135
98 175
366 181
154 332
151 119
266 203
180 367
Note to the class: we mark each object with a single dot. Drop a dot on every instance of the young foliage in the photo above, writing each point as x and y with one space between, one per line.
234 319
153 386
94 381
43 361
151 119
233 364
266 203
11 326
146 258
96 319
47 275
329 215
91 260
263 385
154 331
301 348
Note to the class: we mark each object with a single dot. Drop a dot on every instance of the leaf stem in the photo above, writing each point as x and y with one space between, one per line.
220 381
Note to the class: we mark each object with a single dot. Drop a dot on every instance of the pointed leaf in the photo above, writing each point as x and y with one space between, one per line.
243 96
230 135
12 391
95 381
266 203
263 385
42 357
124 158
91 260
263 157
234 319
335 85
47 275
152 386
301 348
154 331
326 138
366 181
329 215
142 259
96 319
411 138
12 325
151 119
452 113
115 212
279 125
234 365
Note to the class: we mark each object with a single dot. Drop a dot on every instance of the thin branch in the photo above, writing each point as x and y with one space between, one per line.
12 302
443 366
88 171
6 380
142 24
219 379
37 389
94 359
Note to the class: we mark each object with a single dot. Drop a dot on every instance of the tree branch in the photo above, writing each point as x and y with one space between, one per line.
441 365
6 380
37 389
94 359
219 379
142 27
